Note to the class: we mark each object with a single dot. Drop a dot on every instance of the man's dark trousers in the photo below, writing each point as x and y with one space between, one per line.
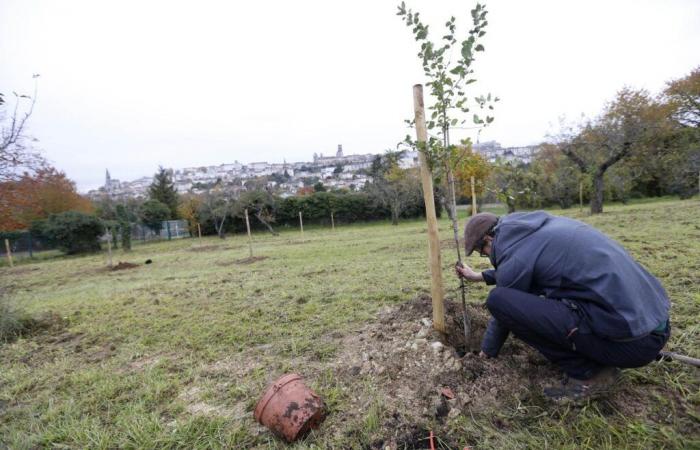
560 333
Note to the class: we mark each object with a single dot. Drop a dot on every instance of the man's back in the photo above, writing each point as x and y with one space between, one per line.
563 258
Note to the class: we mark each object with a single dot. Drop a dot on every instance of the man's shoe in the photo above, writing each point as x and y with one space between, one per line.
573 390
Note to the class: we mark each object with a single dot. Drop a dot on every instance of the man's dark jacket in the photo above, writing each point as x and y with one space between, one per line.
561 258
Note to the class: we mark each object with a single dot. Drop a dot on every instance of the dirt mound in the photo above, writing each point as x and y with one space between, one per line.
124 265
250 260
205 248
421 380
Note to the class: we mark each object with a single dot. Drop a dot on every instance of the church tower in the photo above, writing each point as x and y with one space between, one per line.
339 153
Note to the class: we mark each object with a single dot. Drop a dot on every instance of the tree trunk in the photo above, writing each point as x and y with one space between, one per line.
510 203
394 214
220 228
597 197
258 216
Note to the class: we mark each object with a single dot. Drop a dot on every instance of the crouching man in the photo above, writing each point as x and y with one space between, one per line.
570 292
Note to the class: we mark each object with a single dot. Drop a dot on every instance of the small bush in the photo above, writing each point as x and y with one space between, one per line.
13 322
73 232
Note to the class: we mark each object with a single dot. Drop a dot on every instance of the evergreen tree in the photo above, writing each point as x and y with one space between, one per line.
163 190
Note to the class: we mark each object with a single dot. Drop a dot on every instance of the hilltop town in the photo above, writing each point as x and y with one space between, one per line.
334 172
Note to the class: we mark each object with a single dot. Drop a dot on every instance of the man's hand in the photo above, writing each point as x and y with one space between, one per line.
466 272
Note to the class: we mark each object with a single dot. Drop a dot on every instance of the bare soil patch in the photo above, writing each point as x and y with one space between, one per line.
250 260
124 265
420 378
205 248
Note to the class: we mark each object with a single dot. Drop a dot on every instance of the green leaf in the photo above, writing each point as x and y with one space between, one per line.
479 48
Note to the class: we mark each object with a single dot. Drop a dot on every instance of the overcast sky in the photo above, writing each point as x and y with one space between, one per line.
130 85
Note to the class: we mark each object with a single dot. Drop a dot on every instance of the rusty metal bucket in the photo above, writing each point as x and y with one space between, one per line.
289 408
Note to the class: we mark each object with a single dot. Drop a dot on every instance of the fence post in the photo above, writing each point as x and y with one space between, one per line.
199 232
31 245
250 238
580 195
167 225
9 252
301 224
332 222
109 249
429 200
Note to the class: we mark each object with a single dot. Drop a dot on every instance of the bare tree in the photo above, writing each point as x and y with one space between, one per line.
259 200
218 204
15 157
627 125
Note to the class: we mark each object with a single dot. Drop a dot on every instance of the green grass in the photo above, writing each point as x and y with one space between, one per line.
144 352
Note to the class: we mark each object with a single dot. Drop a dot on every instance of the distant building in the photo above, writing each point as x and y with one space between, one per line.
493 151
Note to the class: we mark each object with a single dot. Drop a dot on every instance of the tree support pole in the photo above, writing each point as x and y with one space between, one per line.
250 238
109 249
473 196
9 252
301 225
436 290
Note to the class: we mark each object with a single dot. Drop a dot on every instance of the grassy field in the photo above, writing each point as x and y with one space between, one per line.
176 353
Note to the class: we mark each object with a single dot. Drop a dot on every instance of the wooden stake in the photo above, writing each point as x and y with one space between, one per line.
109 249
250 238
199 232
9 252
332 222
580 195
473 196
301 224
426 176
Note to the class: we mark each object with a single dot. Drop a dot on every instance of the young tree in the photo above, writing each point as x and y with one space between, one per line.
125 220
261 204
470 165
556 177
448 80
392 186
163 190
190 205
217 204
511 182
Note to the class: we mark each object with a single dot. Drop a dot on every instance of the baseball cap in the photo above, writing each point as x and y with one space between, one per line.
477 227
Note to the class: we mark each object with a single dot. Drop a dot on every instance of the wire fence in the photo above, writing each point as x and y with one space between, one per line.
24 244
170 229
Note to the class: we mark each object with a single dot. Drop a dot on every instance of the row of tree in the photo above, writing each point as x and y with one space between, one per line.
641 145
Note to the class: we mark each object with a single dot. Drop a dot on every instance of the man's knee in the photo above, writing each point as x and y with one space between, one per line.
498 301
